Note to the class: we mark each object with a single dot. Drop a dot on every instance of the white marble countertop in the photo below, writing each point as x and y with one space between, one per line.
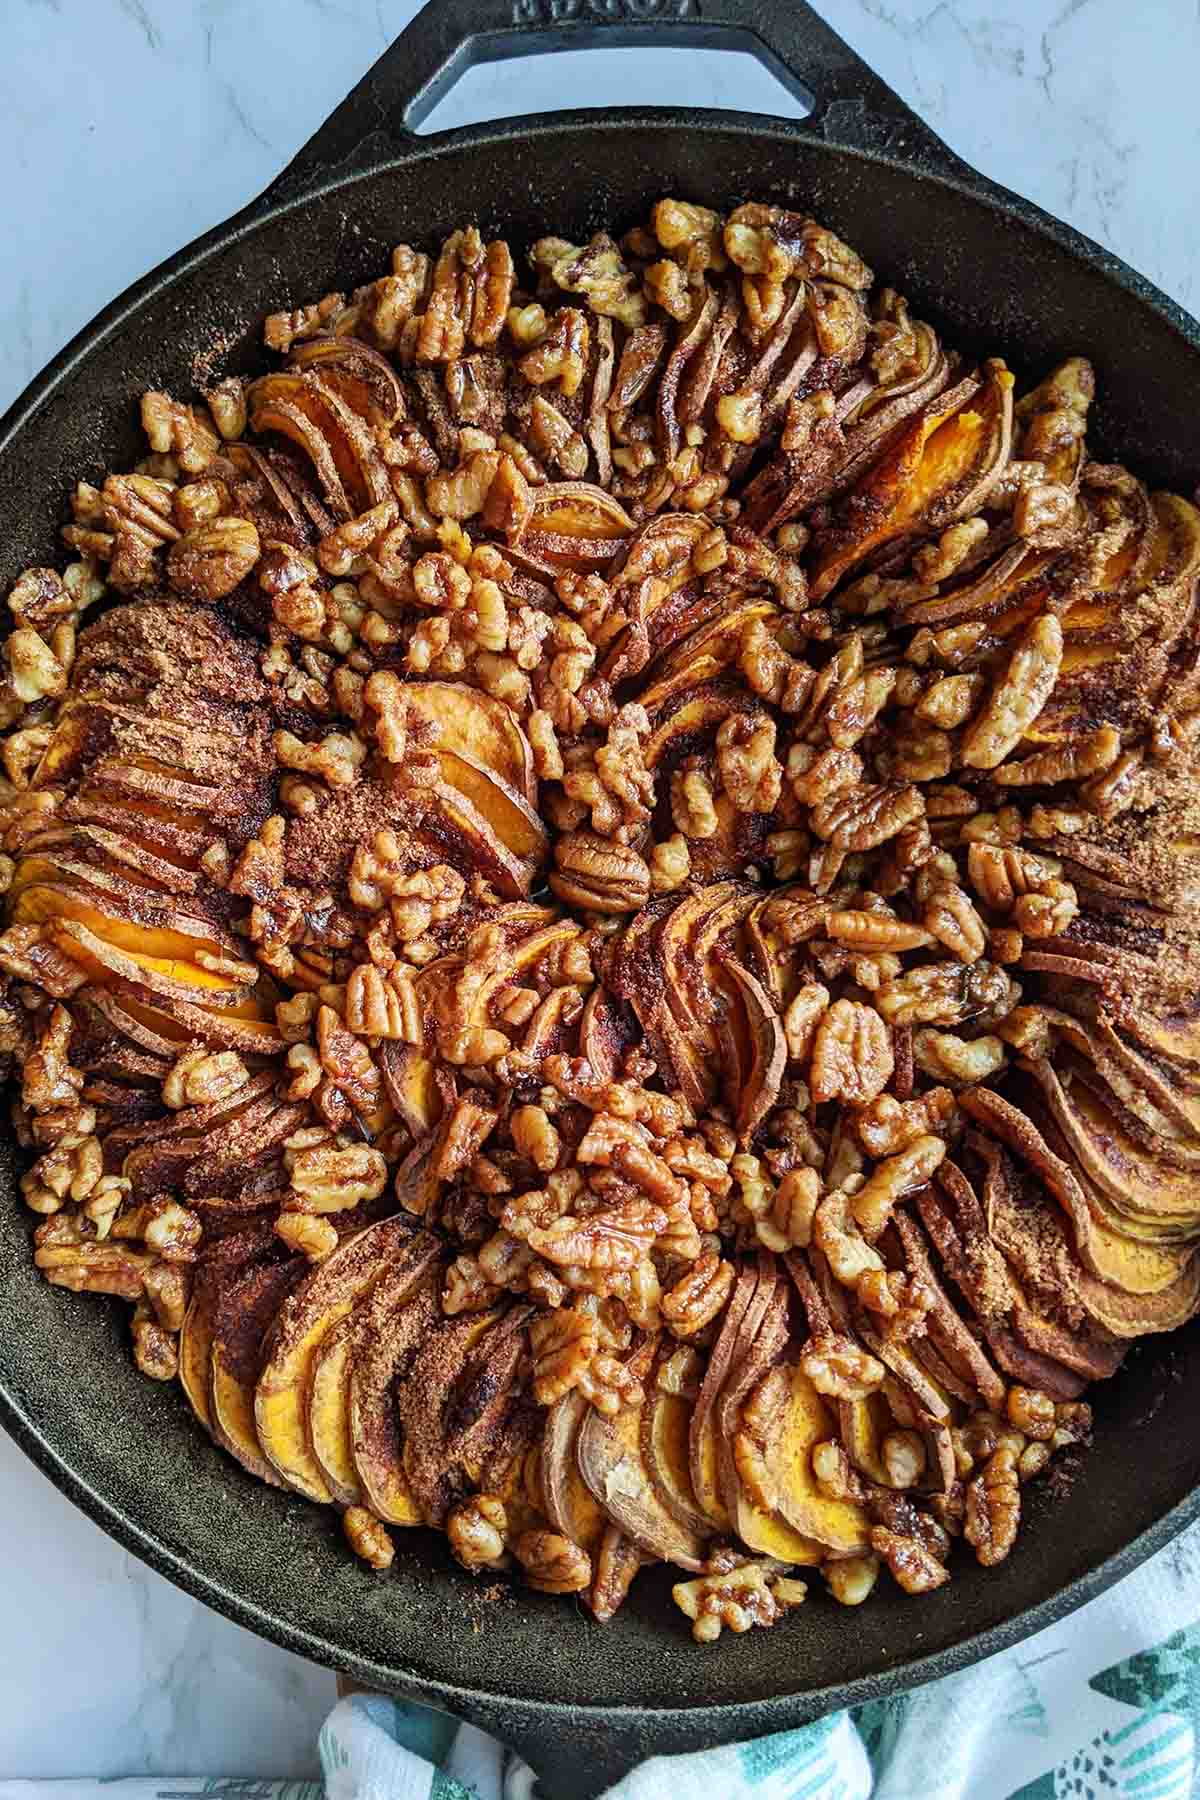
128 127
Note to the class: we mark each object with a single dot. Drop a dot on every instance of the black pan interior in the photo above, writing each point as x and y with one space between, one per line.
125 1448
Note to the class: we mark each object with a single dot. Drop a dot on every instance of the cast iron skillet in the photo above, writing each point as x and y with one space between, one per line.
995 273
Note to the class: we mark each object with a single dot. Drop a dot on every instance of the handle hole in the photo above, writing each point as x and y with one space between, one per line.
729 80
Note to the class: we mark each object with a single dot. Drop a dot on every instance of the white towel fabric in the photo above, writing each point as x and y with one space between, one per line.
1104 1705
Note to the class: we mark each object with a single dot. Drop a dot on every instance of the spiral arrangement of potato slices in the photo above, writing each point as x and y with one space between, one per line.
601 924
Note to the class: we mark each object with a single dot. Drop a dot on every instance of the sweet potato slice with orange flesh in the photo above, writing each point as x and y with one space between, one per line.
304 1320
690 726
170 977
553 1027
943 459
175 943
327 1408
579 509
760 1071
615 1564
400 1316
606 1031
1136 1268
567 1501
195 1356
702 1432
862 1427
1117 644
473 725
704 654
286 407
412 1088
760 1342
1128 1315
613 1467
242 1317
487 821
227 1029
786 1418
759 1525
1171 1034
666 1419
450 1401
368 380
506 812
417 1184
1132 1179
1172 1094
309 409
327 1402
1160 1116
945 1327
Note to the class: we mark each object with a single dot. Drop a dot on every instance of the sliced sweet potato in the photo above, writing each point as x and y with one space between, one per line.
242 1318
1134 1181
310 410
503 813
762 1052
760 1342
863 1425
615 1563
364 375
567 1501
399 1319
1128 1315
665 1425
774 1461
702 1431
328 1409
1136 1268
614 1469
195 1356
945 1327
304 1320
941 467
451 1401
412 1088
473 725
704 654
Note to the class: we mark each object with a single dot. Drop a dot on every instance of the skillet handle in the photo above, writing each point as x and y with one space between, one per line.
849 104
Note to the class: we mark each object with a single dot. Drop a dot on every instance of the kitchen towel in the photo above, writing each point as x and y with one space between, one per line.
1104 1705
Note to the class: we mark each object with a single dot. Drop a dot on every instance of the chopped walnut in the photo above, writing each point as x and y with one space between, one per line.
155 1351
896 1175
960 1060
840 1368
476 1528
852 1058
914 1567
325 1179
204 1078
178 431
336 759
692 804
852 1580
994 1508
698 1297
749 1594
314 1238
211 560
368 1538
552 1564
